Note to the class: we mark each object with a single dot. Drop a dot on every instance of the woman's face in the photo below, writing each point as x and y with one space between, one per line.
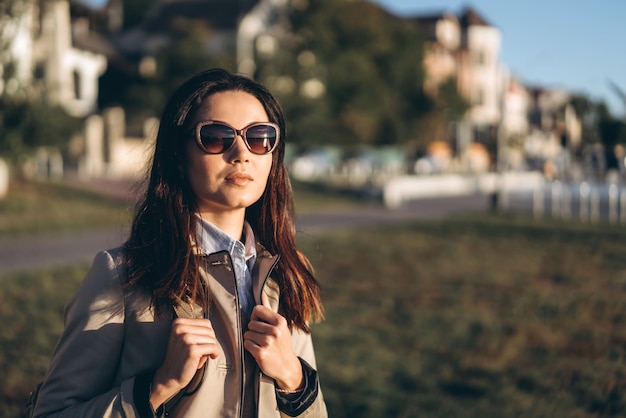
235 179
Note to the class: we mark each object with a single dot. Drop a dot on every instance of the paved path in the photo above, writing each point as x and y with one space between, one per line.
52 250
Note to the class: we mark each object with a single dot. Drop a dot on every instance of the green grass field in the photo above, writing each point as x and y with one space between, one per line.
483 316
473 318
45 207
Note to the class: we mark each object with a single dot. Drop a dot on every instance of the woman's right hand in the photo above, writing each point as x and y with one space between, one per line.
191 343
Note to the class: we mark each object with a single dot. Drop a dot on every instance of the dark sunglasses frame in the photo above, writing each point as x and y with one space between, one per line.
237 132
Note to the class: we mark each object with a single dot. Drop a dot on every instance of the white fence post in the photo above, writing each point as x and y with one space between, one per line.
622 206
4 178
613 192
556 199
538 202
584 191
594 213
566 202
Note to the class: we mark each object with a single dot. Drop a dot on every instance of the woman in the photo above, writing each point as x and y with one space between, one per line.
205 310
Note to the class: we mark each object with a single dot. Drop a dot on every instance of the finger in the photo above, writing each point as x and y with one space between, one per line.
213 354
194 329
202 361
198 340
265 300
260 327
261 313
256 337
189 322
257 350
201 352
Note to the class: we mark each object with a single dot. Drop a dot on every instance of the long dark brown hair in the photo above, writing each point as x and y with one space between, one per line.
159 251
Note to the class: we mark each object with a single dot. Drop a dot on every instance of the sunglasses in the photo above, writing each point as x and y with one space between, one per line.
218 137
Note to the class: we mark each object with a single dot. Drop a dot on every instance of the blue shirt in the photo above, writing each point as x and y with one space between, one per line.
211 239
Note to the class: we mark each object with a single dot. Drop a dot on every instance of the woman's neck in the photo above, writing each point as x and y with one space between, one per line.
229 222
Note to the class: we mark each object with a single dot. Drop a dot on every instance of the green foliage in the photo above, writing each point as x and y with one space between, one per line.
134 12
448 108
587 111
599 125
612 132
619 92
450 104
371 67
185 54
25 125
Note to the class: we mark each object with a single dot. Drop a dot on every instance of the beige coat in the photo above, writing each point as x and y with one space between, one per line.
112 335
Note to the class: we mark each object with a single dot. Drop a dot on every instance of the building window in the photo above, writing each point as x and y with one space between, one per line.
479 96
77 89
39 73
480 58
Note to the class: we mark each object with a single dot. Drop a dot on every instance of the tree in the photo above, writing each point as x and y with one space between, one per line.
26 122
612 132
620 93
187 54
367 63
135 12
586 111
448 108
27 125
11 12
184 55
600 126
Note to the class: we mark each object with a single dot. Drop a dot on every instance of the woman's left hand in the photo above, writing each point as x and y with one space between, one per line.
268 339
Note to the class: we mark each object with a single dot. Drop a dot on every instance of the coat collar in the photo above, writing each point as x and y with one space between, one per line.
261 280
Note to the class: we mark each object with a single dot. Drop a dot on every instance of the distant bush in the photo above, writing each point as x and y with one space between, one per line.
25 125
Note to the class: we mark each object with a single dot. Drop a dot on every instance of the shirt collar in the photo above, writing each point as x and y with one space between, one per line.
211 239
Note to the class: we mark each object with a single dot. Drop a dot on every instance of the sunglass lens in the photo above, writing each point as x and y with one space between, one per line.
216 138
261 138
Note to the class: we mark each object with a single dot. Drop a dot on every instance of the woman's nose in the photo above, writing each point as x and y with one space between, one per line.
239 151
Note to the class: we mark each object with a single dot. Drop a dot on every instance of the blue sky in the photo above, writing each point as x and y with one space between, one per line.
575 44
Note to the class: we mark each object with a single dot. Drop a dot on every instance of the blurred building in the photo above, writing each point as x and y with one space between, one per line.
58 50
466 48
555 132
503 113
52 56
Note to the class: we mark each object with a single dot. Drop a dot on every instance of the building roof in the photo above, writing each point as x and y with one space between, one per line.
470 17
88 26
428 22
430 18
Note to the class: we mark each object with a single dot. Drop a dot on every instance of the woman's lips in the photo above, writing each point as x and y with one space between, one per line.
239 179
